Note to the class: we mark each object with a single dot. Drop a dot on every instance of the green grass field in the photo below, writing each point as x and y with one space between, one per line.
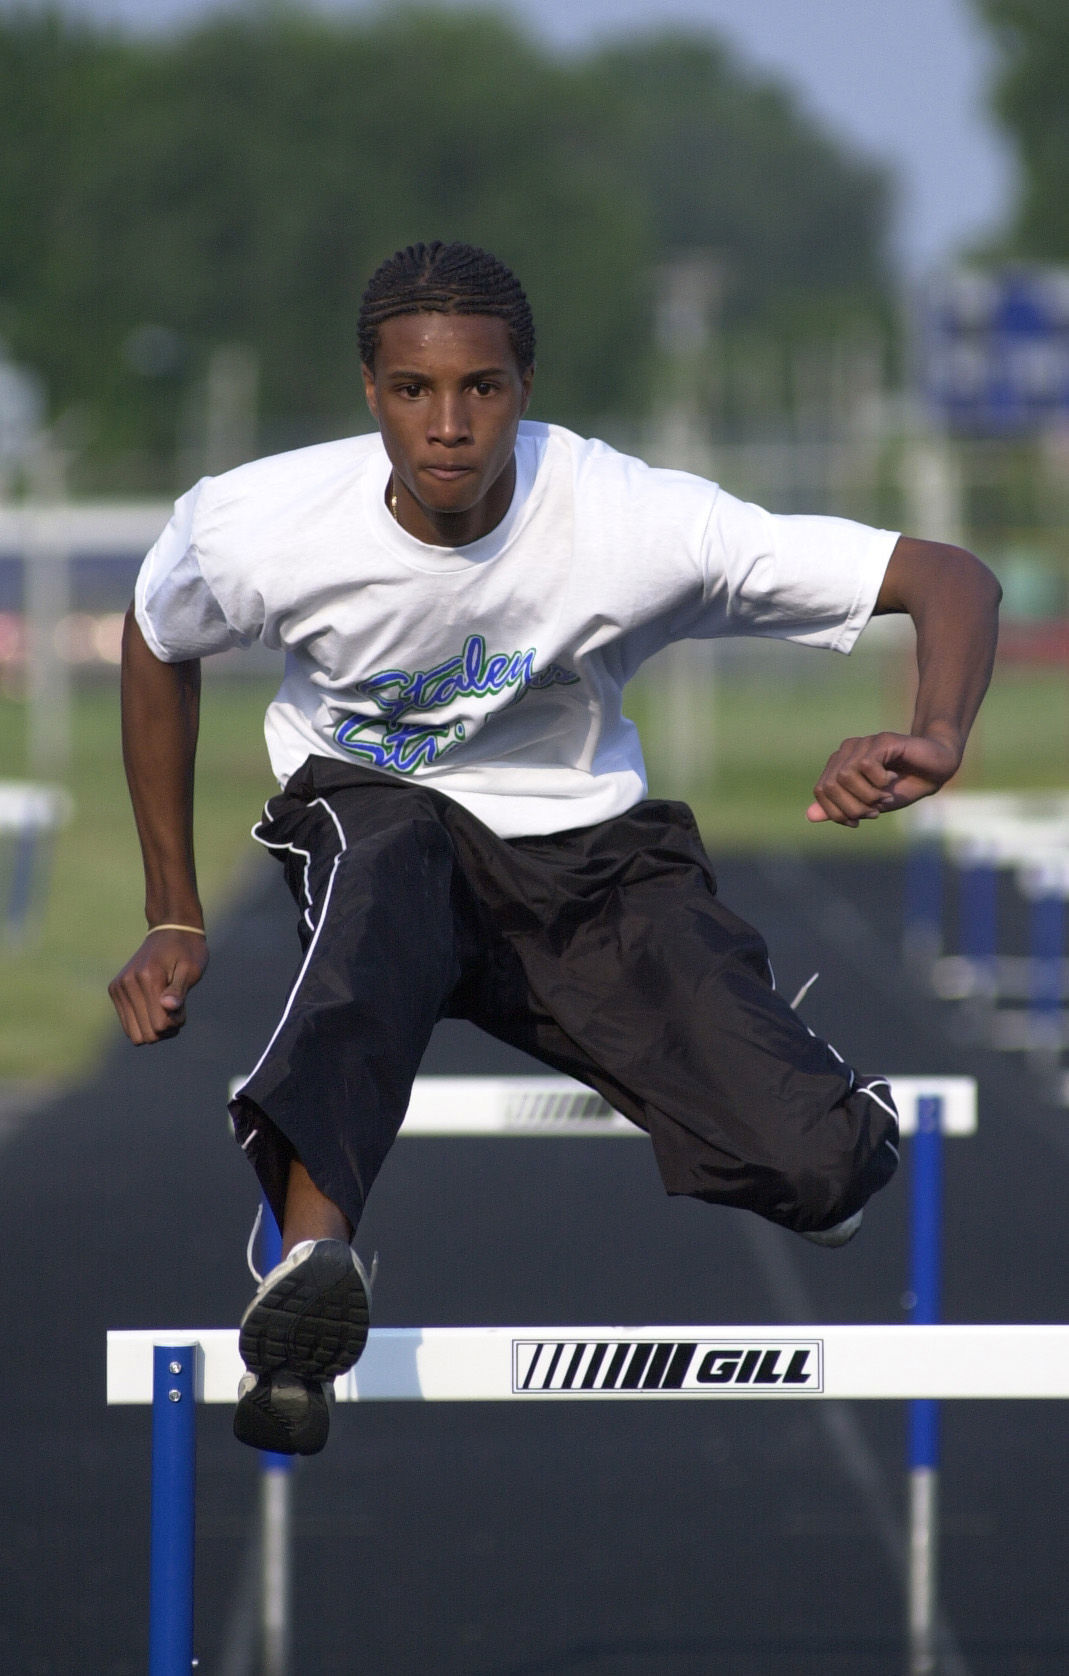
773 732
54 1008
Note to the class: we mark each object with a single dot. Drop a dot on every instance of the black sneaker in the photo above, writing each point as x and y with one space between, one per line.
310 1314
283 1412
307 1323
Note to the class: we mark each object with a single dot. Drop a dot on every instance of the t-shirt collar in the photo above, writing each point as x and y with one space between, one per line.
425 555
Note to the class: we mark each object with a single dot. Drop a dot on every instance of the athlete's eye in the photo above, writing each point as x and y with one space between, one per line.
485 387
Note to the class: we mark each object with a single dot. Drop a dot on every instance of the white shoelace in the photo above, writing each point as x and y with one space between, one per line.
804 991
251 1246
249 1249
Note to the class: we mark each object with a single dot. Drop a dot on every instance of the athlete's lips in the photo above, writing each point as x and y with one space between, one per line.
448 474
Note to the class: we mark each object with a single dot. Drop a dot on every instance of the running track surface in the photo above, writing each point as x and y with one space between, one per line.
609 1540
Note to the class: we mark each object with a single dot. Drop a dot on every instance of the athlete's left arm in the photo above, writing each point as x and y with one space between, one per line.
953 600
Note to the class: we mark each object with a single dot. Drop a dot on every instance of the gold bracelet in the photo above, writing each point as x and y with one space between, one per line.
167 926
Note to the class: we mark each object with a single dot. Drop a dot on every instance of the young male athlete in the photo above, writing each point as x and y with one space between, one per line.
461 599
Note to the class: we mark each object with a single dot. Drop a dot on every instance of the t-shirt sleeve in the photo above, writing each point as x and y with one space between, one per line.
812 580
176 609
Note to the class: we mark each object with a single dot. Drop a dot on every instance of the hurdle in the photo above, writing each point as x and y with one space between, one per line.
30 815
976 837
174 1369
514 1107
928 1107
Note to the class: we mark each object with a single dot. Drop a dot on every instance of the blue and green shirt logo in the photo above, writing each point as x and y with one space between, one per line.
388 740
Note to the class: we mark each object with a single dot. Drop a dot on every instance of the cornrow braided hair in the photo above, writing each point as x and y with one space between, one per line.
446 279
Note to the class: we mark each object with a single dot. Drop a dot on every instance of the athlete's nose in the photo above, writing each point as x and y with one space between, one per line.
449 420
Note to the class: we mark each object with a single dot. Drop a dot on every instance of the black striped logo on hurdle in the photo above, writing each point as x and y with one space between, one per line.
656 1367
555 1109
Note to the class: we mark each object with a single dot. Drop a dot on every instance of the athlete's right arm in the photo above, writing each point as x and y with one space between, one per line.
160 719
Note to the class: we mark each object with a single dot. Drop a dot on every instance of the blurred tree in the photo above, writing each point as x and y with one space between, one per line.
731 164
45 63
1032 98
236 184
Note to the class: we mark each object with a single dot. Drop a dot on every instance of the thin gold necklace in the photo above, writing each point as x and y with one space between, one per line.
393 500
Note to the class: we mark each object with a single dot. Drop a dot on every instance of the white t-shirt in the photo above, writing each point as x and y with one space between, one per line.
492 672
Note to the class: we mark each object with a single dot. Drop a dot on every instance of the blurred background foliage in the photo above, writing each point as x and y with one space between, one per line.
187 221
1032 98
238 182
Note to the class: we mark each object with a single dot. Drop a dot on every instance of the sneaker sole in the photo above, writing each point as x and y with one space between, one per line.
312 1320
280 1412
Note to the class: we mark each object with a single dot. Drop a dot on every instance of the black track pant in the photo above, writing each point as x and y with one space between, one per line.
602 951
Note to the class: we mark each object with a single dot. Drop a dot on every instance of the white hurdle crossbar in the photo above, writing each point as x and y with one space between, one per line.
531 1106
452 1107
525 1364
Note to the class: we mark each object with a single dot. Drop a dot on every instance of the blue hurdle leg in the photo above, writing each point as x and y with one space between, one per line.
276 1484
978 908
173 1480
926 1282
923 931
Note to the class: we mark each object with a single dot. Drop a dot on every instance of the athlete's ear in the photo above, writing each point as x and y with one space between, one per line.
526 380
369 389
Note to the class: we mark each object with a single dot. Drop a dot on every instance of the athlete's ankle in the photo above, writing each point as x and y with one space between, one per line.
309 1214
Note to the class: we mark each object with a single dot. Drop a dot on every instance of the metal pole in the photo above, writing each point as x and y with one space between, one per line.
690 294
232 397
276 1518
46 601
276 1597
925 1267
686 732
173 1476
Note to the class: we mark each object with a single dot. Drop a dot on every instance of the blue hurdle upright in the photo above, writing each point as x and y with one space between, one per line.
276 1515
926 1225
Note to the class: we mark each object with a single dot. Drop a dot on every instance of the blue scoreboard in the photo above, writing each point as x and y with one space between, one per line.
994 350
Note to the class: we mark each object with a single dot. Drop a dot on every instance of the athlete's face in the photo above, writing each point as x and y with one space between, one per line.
448 396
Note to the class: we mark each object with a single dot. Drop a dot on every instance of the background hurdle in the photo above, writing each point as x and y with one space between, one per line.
538 1106
974 840
30 816
929 1108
